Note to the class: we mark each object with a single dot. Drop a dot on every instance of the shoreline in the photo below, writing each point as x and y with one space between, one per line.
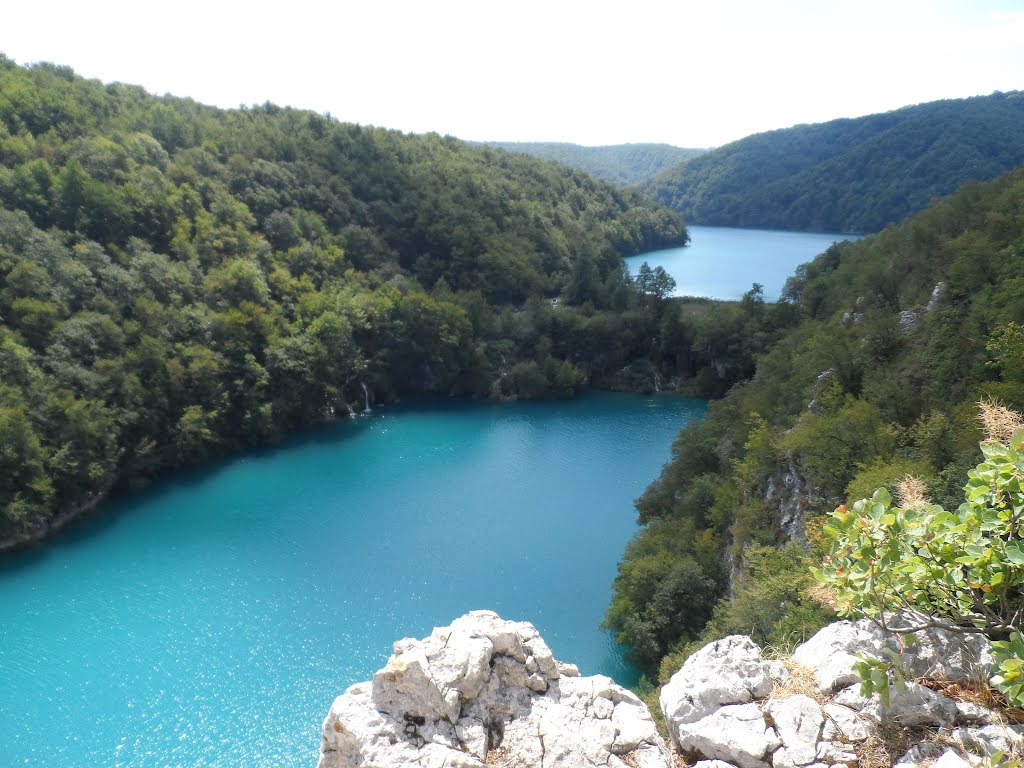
49 527
89 504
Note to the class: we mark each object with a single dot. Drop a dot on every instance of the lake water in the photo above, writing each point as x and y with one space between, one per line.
212 620
723 262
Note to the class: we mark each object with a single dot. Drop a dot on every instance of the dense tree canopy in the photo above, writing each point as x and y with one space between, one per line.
850 175
178 281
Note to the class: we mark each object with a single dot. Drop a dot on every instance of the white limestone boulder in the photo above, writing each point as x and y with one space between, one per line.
950 759
487 691
727 671
920 755
735 733
842 724
799 722
832 652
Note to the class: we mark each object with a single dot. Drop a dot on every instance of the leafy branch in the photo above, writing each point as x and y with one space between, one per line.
965 567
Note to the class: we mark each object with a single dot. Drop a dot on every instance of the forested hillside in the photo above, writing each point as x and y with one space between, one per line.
894 340
178 281
851 175
622 164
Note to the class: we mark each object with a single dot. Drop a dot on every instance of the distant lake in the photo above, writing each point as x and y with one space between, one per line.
212 619
723 262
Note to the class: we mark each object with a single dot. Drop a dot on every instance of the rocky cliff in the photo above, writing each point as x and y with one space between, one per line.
488 692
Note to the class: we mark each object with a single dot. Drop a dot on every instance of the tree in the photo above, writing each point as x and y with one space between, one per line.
645 279
25 488
654 282
194 435
662 283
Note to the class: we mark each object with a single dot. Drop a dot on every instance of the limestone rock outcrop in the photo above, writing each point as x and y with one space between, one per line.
729 705
485 691
938 653
727 671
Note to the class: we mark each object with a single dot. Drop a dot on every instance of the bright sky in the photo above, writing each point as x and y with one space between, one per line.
694 73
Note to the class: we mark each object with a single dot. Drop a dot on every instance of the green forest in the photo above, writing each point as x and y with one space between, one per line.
849 175
872 369
179 282
623 165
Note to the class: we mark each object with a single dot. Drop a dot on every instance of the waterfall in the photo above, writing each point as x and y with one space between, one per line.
366 397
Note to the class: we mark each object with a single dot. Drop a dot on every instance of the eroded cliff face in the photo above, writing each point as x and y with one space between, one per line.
488 692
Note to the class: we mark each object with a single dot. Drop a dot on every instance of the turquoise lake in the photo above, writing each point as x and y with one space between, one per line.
723 262
212 619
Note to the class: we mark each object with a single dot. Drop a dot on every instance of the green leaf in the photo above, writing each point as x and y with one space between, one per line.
1015 552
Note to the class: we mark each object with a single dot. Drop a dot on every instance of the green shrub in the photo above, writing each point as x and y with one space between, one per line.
965 566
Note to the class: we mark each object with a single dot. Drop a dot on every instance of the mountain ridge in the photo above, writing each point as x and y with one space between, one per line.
850 174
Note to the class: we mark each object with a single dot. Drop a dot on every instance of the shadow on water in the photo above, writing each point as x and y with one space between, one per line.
124 501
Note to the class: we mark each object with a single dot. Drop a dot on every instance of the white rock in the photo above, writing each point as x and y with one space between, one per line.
833 753
851 697
843 724
915 705
991 738
950 759
735 733
568 670
485 688
831 653
939 652
799 722
779 674
919 755
713 764
727 671
970 713
943 652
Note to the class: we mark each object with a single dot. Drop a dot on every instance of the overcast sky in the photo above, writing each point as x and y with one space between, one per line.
684 72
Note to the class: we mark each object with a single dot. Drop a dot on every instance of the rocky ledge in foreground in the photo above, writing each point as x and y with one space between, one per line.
487 692
729 705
